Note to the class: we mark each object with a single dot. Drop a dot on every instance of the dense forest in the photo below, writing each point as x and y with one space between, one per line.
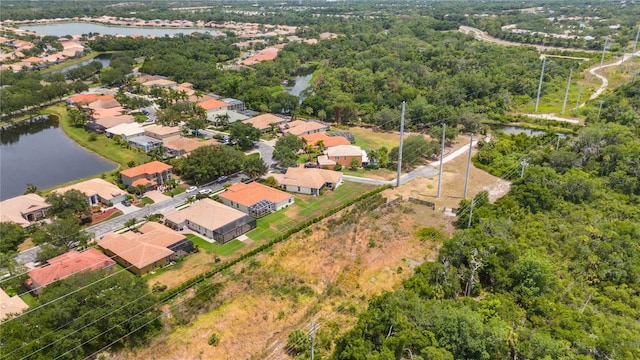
549 271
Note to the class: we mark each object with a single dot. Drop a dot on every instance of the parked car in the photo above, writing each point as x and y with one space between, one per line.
192 189
205 191
126 203
311 165
221 179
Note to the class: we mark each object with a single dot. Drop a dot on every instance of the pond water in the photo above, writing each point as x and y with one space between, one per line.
514 130
79 28
302 82
104 59
41 153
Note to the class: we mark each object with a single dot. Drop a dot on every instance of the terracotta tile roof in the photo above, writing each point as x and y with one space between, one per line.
69 263
10 305
327 140
251 193
263 122
104 104
323 160
33 59
87 98
111 121
269 53
212 104
144 169
309 178
145 248
105 113
160 82
160 130
100 187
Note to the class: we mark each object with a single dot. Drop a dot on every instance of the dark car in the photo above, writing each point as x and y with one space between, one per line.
311 165
126 203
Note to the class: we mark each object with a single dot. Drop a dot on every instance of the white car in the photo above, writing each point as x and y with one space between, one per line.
192 189
205 191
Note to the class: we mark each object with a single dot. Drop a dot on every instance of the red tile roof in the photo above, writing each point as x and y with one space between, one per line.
251 193
87 98
212 104
148 168
327 140
69 263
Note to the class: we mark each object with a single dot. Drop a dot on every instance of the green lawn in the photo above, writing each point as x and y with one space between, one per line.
383 173
176 191
254 155
146 200
30 300
101 145
216 248
369 139
305 207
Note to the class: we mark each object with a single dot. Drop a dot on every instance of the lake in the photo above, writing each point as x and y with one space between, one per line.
79 28
302 82
104 59
40 153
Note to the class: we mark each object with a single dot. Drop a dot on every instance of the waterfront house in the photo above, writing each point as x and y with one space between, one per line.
125 131
97 191
211 219
162 133
150 175
23 209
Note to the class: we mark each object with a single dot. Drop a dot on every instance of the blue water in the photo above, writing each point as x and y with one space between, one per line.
79 28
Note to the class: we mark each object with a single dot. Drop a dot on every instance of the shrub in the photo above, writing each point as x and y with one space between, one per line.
158 287
214 339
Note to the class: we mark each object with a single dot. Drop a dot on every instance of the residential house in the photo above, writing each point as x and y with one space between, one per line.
23 209
103 104
265 122
83 99
235 104
106 113
325 163
125 131
11 305
97 191
67 264
211 104
308 181
344 154
162 133
211 219
326 140
144 142
114 120
150 174
184 146
153 247
255 199
299 128
164 83
233 116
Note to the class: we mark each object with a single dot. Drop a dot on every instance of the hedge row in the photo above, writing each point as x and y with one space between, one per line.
227 264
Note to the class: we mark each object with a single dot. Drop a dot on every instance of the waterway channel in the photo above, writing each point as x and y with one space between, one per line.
302 82
40 153
79 28
104 59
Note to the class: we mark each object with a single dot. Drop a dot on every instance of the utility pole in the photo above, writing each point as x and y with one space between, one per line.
600 109
578 99
400 147
566 94
544 60
558 142
444 127
473 203
635 46
603 49
311 334
466 181
524 164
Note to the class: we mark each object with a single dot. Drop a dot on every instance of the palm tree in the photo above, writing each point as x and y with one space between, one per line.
222 119
320 145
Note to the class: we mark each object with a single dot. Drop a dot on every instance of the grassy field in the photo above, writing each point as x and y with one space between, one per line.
384 174
369 139
216 248
30 300
101 145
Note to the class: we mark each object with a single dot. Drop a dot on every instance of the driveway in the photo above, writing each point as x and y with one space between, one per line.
126 209
266 151
156 196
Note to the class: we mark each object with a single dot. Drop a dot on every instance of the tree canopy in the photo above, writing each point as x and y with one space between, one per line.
207 163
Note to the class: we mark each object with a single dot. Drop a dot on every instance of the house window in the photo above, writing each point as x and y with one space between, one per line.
337 157
345 158
298 188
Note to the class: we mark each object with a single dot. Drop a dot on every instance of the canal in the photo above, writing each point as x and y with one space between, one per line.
40 153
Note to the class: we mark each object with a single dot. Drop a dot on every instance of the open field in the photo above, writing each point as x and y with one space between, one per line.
367 138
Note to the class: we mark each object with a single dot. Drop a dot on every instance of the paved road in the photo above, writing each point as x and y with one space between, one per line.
426 171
